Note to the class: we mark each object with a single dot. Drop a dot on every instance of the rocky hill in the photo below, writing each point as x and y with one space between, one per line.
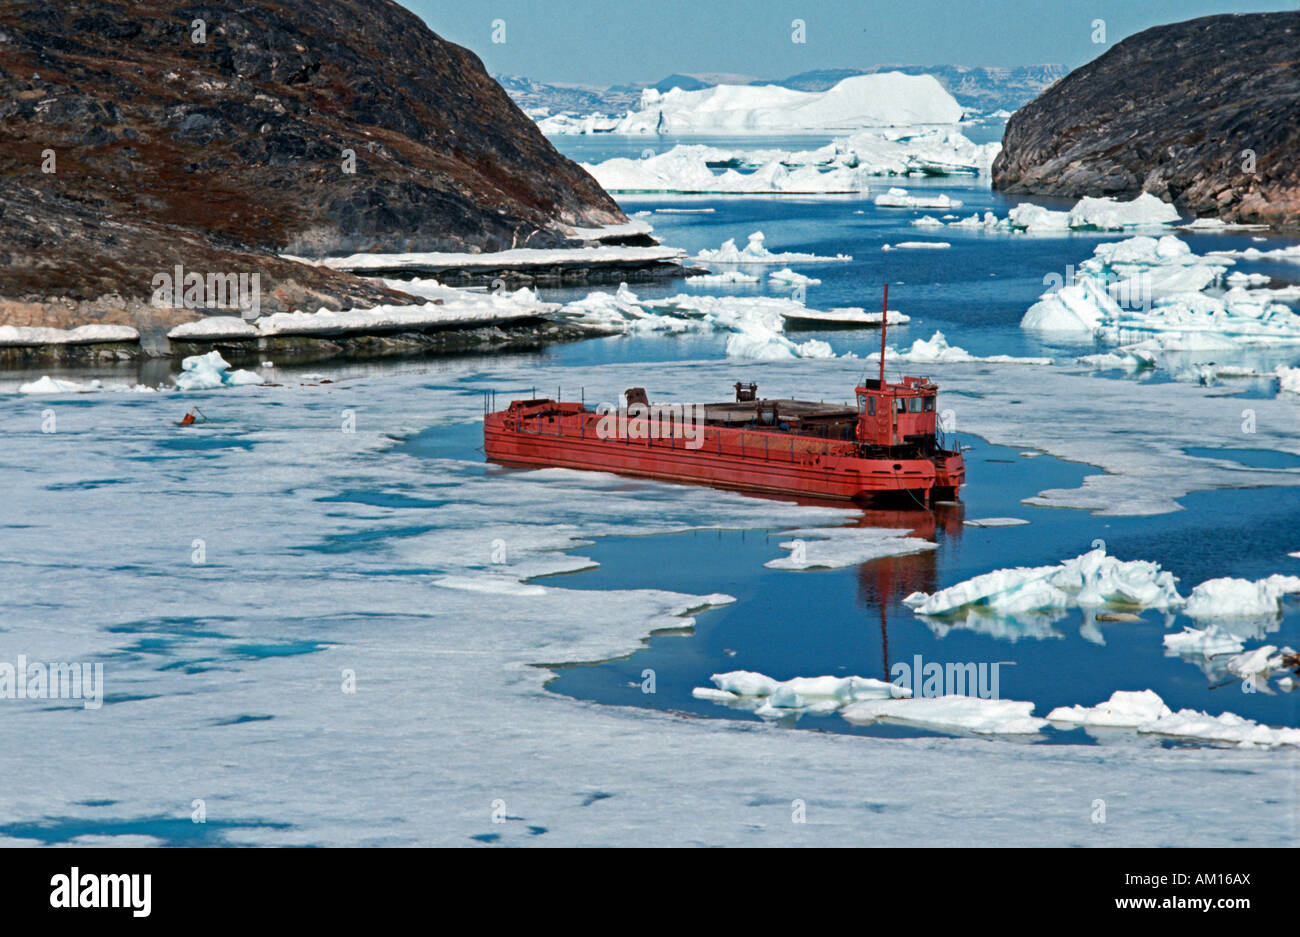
219 134
1205 114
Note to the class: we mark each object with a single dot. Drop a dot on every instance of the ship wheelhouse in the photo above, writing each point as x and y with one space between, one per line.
898 416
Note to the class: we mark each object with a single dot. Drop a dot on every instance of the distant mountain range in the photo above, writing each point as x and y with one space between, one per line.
978 89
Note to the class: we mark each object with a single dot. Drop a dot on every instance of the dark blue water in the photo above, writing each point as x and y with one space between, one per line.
975 292
852 622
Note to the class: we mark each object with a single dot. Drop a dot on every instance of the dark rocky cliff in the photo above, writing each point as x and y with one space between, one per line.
1172 111
221 154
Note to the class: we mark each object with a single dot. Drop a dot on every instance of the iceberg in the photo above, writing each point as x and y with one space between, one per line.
211 371
1240 598
1092 579
885 99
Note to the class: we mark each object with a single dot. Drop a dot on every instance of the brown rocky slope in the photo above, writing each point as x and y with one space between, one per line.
1204 113
219 155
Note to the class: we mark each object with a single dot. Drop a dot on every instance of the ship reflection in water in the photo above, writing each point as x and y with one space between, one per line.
889 580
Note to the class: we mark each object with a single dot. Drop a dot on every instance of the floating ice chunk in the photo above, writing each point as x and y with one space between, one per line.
755 252
846 315
916 246
50 385
899 198
1125 709
1261 662
836 547
1239 279
951 714
759 343
1107 214
927 221
211 371
686 169
1205 642
771 698
729 276
936 349
1288 379
788 276
1091 579
1240 598
996 521
1145 712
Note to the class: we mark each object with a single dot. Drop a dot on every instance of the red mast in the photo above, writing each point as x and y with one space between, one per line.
884 314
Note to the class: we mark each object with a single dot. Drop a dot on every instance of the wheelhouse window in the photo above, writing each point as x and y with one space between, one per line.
862 403
929 404
871 406
914 405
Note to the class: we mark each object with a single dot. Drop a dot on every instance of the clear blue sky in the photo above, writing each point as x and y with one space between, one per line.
613 41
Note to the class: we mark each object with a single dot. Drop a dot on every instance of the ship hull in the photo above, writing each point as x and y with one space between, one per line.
738 459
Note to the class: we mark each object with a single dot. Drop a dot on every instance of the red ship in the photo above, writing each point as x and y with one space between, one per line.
890 443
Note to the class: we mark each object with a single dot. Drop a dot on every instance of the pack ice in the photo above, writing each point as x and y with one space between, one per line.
843 166
1151 297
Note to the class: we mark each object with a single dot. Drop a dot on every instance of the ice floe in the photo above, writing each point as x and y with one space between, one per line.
995 522
726 277
686 169
843 166
1204 642
756 322
519 258
1146 713
1088 214
780 699
788 277
950 714
53 385
837 547
899 198
916 246
755 251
